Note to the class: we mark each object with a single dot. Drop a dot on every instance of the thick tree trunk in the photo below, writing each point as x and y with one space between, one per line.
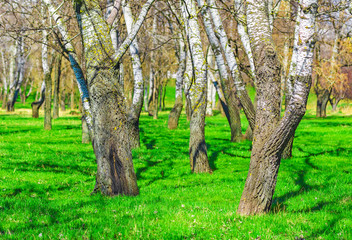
270 135
115 173
106 112
57 87
111 141
197 147
177 109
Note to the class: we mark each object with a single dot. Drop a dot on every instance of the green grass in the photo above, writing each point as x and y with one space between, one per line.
46 178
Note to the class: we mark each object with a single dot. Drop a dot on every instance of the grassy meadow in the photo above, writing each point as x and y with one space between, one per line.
46 178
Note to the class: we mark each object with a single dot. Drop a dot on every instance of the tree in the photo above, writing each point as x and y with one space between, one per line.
138 90
271 135
103 99
197 90
176 110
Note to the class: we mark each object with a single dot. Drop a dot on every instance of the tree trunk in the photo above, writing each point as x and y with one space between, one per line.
322 101
72 98
241 28
16 86
47 104
85 131
138 89
37 104
232 63
161 97
270 135
115 173
4 80
63 97
177 109
197 147
227 87
4 98
57 87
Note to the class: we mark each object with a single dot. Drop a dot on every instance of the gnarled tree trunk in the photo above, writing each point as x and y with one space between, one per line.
271 135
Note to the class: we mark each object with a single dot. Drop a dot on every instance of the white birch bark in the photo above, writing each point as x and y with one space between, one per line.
294 58
197 147
137 101
242 31
60 24
210 86
232 63
4 73
152 63
232 111
181 69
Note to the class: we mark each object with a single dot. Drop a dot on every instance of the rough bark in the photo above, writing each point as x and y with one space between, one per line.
57 87
197 147
176 110
270 135
115 173
323 96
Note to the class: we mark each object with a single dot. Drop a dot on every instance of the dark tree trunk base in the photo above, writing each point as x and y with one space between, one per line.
174 115
111 141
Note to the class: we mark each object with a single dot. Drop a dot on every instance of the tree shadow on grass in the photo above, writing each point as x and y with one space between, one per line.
279 202
47 166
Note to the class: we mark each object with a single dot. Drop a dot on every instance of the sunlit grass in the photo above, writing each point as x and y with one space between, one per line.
46 178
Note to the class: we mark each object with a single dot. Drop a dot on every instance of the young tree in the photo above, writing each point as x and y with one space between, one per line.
197 147
176 110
